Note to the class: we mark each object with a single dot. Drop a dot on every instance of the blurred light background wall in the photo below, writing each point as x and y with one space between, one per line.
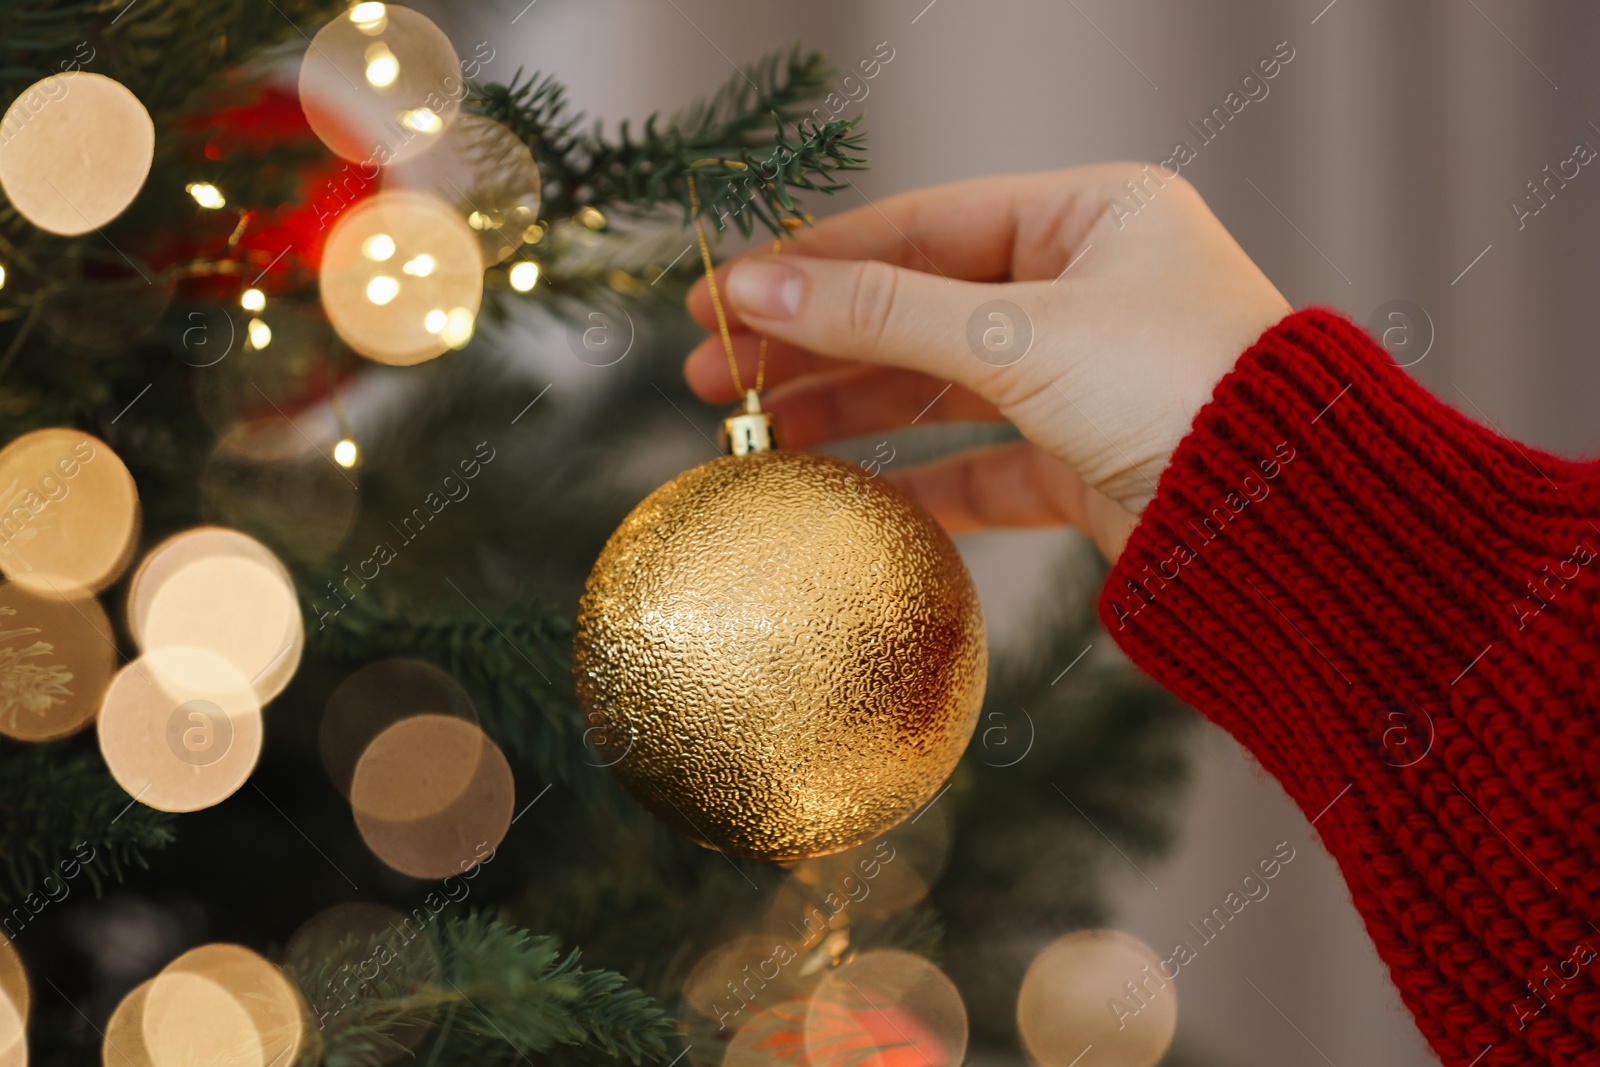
1379 167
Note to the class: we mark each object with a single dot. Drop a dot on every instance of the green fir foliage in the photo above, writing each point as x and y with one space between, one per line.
749 146
59 807
484 992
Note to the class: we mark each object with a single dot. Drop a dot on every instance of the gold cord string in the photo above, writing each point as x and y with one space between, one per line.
761 354
716 297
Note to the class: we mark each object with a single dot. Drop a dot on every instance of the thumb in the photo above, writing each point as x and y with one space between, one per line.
872 312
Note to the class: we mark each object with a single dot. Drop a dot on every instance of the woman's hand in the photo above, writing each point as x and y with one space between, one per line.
1134 316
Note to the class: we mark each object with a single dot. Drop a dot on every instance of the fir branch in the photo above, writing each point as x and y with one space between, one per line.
517 992
496 994
645 265
58 808
368 993
749 146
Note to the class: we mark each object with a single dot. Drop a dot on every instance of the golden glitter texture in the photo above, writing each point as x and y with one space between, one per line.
780 656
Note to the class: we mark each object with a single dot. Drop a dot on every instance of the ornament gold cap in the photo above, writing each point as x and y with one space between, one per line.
752 431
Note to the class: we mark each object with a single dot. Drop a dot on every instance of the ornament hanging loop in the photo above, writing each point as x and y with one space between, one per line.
751 431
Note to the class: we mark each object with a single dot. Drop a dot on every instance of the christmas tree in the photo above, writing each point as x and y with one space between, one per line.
413 538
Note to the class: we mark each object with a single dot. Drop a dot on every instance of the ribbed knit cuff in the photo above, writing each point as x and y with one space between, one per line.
1393 608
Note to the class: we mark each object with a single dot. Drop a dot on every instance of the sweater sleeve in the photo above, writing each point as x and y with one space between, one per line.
1394 610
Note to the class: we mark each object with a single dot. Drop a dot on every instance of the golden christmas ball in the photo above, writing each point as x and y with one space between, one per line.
779 655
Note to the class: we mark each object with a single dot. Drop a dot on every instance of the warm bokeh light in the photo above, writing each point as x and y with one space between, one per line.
422 119
13 1036
1097 998
369 16
382 66
69 514
56 659
376 697
739 978
365 81
524 276
188 1018
384 312
123 1044
344 943
253 300
260 334
345 453
180 729
382 289
432 795
14 1004
378 248
223 1006
72 167
206 195
459 324
219 590
886 1008
487 173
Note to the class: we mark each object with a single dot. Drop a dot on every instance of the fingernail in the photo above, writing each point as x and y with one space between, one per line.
765 289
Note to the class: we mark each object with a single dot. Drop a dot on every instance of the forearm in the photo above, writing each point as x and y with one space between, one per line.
1391 608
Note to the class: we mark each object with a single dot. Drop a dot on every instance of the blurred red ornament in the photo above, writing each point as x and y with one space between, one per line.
825 1034
281 244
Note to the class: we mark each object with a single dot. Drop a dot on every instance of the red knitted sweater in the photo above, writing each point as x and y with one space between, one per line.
1394 610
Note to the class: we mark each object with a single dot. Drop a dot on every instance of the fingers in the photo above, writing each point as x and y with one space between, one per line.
865 400
960 230
1019 227
1016 485
864 286
965 230
867 312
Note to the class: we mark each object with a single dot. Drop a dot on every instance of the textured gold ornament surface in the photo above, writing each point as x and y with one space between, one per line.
780 656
